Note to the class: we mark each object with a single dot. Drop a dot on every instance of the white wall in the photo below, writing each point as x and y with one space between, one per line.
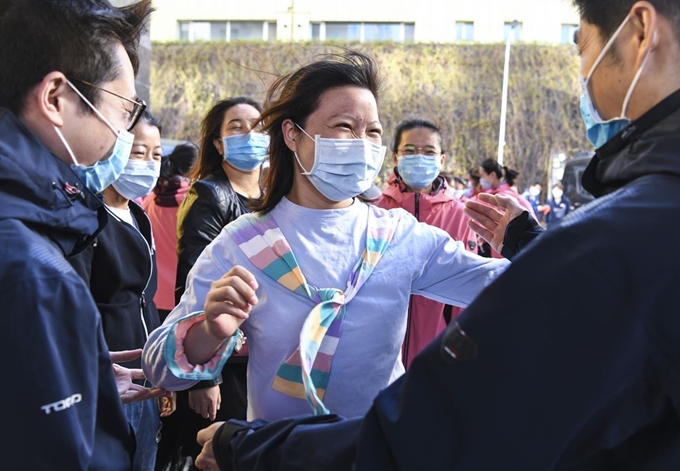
434 19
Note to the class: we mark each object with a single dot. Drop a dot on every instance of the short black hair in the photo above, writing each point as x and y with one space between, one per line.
151 120
607 15
75 37
416 123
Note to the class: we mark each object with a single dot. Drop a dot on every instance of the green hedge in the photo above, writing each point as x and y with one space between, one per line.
456 85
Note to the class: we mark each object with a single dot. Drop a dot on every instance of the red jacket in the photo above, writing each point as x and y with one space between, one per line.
442 210
161 207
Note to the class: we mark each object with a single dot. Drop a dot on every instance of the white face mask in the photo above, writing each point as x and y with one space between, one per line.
557 194
343 168
139 177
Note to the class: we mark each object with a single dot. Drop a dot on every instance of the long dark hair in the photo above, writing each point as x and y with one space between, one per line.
295 96
209 158
503 173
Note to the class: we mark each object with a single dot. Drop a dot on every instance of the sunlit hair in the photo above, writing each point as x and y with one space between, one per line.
297 95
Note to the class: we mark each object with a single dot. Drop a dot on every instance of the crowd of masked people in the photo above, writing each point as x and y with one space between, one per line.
254 301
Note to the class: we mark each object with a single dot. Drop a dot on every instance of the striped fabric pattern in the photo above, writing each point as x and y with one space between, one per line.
306 372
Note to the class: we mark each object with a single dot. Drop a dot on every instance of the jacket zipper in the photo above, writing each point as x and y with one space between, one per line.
410 302
142 300
417 215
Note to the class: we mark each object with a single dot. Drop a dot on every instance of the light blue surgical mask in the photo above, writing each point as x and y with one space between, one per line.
486 185
598 130
103 173
418 171
246 152
343 168
138 178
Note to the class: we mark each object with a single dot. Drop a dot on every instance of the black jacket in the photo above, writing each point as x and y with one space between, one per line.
120 268
60 407
210 205
520 383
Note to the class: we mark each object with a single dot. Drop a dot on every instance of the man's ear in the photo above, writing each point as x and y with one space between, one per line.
394 159
48 97
290 134
441 162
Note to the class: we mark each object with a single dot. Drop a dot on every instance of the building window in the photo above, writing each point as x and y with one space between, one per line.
568 32
227 30
508 28
465 31
362 32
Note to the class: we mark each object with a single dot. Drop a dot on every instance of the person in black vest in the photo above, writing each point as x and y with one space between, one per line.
226 177
120 269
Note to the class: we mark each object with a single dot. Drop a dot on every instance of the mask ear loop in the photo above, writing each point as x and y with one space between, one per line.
68 148
636 79
101 116
316 150
606 48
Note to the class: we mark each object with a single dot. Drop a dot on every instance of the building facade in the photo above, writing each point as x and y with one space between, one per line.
438 21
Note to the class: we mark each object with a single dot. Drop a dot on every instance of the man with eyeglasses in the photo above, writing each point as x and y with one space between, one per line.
67 103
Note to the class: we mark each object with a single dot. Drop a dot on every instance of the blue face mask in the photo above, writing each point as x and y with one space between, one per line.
138 178
598 130
246 152
103 173
343 168
418 171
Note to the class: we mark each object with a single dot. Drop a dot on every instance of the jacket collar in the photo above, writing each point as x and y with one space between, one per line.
397 188
39 189
649 145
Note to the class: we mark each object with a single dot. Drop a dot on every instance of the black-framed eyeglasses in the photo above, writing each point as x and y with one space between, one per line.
138 107
411 150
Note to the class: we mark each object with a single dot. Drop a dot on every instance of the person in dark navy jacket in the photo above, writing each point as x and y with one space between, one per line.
590 383
67 98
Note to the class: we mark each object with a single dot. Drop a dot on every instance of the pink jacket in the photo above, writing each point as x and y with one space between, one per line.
507 190
442 210
161 207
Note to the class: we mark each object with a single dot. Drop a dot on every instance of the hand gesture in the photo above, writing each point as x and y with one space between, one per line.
127 390
229 302
205 402
206 459
490 216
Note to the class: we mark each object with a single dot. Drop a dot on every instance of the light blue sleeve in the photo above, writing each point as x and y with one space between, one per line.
163 360
451 274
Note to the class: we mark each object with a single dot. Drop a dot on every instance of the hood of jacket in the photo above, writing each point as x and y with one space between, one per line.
396 195
40 190
647 146
170 192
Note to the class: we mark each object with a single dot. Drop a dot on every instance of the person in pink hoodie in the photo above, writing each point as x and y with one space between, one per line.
498 180
415 185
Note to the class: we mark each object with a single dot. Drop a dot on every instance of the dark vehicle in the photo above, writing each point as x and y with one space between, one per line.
169 145
573 170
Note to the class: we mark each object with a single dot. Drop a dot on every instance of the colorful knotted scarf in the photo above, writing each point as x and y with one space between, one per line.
261 240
